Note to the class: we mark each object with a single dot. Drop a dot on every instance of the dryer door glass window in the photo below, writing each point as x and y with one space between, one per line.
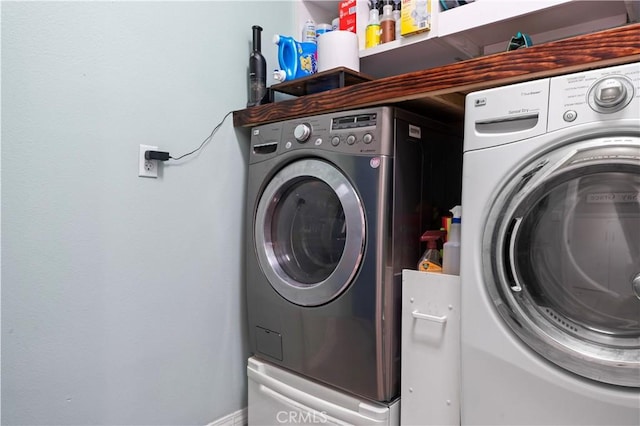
578 253
565 266
309 232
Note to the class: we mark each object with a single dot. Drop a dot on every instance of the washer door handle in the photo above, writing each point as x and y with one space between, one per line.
417 315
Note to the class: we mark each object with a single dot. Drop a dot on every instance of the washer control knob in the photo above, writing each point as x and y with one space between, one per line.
367 138
302 132
351 139
335 141
610 92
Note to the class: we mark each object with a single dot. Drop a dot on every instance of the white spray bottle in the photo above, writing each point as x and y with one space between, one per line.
451 249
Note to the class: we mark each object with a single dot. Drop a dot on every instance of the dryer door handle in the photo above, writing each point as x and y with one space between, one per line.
512 254
417 315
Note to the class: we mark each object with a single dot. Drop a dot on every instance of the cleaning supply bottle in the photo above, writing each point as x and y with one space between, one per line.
396 15
430 260
372 32
257 71
387 24
309 31
451 249
296 59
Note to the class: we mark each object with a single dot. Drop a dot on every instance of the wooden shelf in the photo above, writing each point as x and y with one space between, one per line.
440 91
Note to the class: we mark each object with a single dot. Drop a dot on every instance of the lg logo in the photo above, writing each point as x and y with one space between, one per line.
297 417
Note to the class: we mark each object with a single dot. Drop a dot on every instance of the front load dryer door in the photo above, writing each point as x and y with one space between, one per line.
562 257
309 232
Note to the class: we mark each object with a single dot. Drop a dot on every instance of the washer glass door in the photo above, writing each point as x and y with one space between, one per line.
309 232
565 267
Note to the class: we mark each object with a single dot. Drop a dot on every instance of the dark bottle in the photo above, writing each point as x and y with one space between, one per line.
257 71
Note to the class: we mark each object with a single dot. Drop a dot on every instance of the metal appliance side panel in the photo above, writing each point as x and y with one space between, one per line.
404 229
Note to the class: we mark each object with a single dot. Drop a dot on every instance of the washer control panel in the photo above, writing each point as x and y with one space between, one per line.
598 95
354 128
359 132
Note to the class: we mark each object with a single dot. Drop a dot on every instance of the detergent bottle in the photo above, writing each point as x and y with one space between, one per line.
451 249
430 260
296 59
372 32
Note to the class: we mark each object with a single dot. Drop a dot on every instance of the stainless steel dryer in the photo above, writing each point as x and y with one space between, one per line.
333 218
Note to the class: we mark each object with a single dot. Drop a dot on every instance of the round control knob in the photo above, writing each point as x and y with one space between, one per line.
367 138
610 92
351 139
335 141
302 132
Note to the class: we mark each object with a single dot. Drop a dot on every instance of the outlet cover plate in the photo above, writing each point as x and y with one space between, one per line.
147 168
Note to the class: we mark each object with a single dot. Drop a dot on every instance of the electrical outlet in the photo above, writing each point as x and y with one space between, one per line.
147 168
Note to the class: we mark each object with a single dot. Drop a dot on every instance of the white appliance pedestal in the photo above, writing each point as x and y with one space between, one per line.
277 396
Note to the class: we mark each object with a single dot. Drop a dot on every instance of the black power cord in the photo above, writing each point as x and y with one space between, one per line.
164 156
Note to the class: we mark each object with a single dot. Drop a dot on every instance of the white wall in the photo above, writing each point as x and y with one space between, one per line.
122 298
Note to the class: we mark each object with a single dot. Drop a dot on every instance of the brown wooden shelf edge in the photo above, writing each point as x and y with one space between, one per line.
447 85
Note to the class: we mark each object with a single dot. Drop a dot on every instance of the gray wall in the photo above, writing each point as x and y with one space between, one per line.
122 299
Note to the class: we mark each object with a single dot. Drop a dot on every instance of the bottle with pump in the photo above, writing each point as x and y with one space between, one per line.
257 71
396 16
372 32
387 24
430 260
451 249
309 31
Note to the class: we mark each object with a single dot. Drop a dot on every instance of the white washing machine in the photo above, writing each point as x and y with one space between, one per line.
550 262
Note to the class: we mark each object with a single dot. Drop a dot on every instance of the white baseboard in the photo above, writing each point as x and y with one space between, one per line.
239 418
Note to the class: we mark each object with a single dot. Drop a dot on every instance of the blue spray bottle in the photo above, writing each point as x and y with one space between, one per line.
296 59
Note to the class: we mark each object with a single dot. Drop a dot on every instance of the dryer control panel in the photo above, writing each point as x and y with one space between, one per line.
599 95
520 111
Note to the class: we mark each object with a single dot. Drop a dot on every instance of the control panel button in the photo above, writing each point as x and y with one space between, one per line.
302 132
287 145
351 139
367 138
318 142
569 116
335 141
